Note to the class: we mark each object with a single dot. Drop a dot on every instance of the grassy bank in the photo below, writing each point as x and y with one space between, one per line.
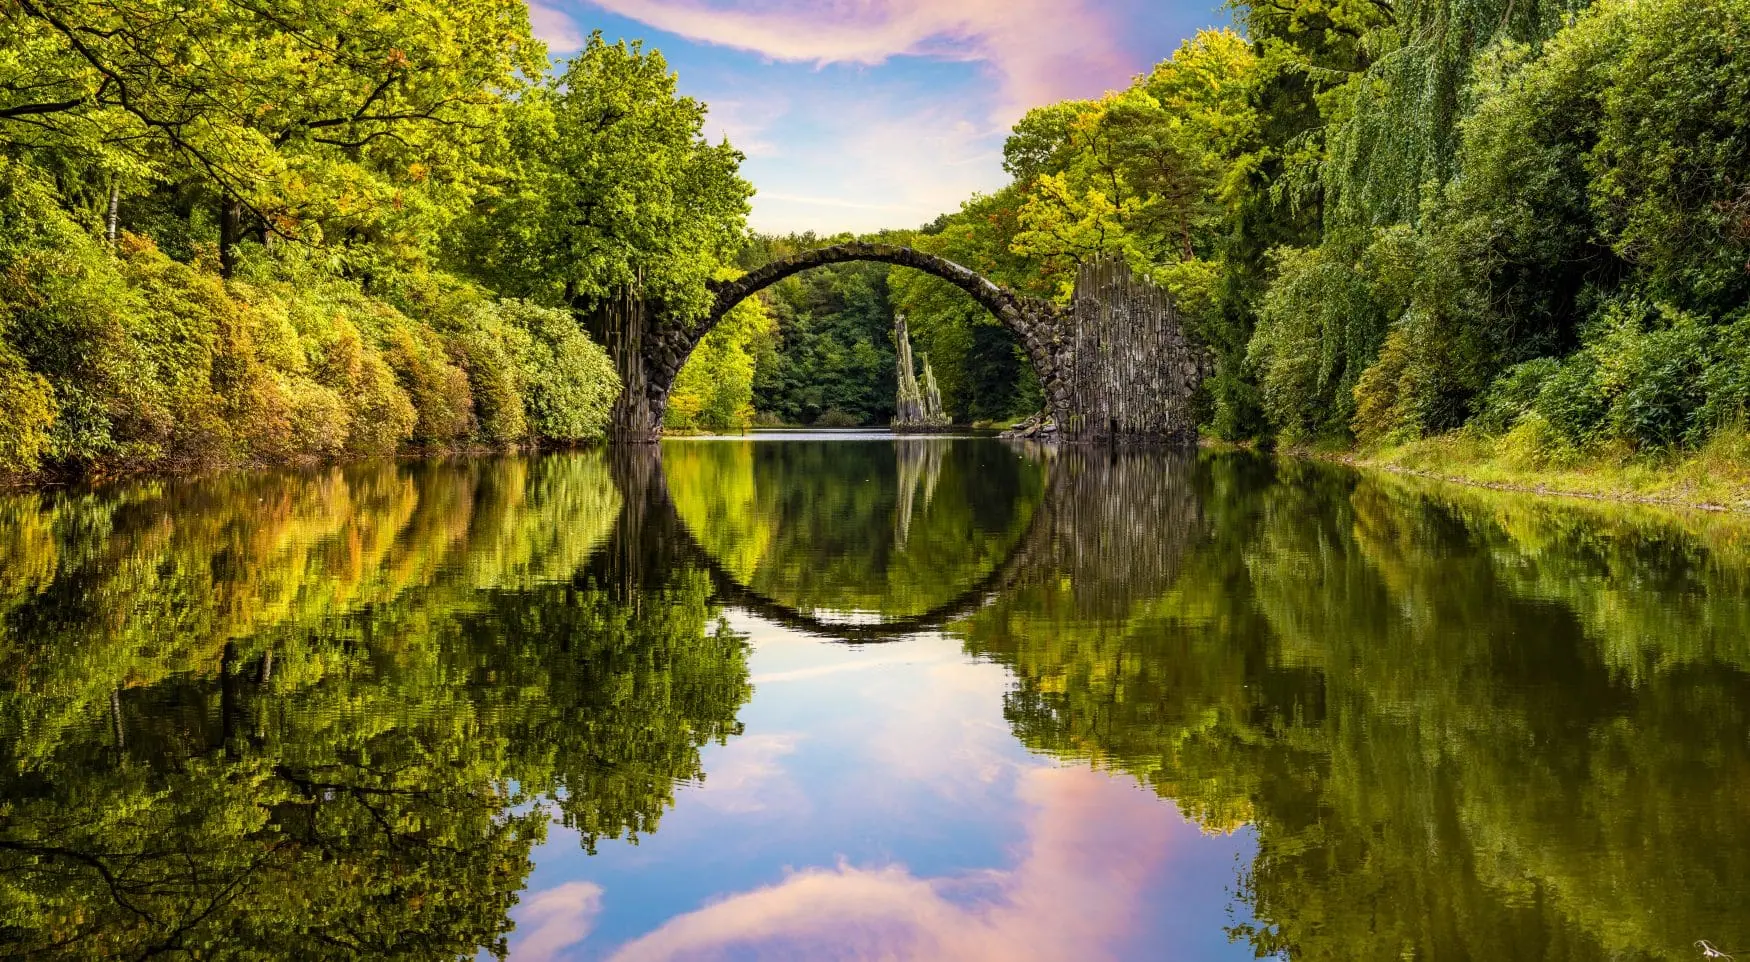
1715 477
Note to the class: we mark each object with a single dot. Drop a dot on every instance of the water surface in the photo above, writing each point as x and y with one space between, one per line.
870 698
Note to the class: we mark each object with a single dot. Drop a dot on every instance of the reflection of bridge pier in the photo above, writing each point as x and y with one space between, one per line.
1115 524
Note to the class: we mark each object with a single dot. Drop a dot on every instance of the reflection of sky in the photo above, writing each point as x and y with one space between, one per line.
879 808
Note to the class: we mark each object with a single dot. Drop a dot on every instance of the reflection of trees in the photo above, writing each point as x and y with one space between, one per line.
842 527
1465 725
326 714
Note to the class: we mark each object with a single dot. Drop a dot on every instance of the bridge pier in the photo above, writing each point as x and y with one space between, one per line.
1130 371
648 355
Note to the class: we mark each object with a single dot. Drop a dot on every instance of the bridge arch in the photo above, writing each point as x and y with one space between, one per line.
651 353
1115 364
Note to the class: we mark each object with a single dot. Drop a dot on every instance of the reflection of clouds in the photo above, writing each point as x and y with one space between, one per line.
1094 844
559 917
835 668
939 728
744 775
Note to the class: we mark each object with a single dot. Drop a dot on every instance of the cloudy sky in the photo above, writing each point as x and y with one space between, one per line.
861 114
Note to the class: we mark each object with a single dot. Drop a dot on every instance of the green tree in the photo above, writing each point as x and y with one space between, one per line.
611 186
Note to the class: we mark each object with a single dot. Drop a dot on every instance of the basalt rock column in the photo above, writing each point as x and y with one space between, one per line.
914 407
933 412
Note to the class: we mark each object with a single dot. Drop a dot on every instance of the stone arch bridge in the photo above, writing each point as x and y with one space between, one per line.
1115 365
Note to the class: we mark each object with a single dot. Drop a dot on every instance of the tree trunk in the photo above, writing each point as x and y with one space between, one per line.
115 208
230 235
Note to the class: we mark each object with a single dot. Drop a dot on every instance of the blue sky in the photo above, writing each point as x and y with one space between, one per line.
862 114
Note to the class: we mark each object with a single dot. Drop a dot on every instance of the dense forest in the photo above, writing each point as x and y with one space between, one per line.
341 229
1390 219
345 231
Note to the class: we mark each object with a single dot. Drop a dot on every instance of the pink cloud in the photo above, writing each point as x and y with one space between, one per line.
558 917
1095 842
1040 50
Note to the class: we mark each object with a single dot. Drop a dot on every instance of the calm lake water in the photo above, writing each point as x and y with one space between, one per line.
861 698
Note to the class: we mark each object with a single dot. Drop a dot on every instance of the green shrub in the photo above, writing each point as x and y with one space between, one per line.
494 379
568 381
438 389
835 418
1514 394
64 304
1726 382
29 403
1572 402
1642 379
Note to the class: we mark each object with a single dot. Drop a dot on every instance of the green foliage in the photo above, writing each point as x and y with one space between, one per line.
29 403
831 349
330 121
1318 327
714 390
611 185
1668 186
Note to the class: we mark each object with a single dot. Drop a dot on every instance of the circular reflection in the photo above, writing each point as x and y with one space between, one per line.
856 532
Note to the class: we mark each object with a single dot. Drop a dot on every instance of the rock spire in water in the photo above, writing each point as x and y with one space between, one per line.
914 407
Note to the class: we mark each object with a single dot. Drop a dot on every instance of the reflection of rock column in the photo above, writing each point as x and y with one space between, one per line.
648 545
918 461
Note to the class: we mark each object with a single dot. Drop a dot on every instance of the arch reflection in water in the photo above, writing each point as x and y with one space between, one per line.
872 542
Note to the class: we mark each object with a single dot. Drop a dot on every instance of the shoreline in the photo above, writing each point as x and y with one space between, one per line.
1675 484
1598 483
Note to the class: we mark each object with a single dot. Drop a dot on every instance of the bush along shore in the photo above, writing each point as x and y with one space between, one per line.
124 360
